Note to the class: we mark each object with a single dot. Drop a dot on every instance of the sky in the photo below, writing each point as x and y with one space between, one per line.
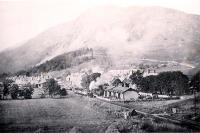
21 20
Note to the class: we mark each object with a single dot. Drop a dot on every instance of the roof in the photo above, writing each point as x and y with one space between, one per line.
119 89
127 81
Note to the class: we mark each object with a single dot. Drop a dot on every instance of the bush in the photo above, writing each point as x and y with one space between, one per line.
28 93
63 92
120 126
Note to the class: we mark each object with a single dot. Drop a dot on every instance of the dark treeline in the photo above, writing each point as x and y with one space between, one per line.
169 83
60 62
195 82
12 89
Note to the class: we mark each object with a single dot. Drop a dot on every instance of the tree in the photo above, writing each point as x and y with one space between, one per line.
116 82
14 91
7 85
173 83
195 82
53 87
63 92
28 91
169 83
149 84
85 81
136 77
3 76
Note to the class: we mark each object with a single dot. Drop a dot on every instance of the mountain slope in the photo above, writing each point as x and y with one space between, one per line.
125 33
64 61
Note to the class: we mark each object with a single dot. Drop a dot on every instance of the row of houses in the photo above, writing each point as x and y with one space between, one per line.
38 81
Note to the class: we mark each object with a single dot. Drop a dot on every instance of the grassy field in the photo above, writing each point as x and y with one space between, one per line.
61 115
55 115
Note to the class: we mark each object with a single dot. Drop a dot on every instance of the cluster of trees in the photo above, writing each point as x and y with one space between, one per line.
88 78
195 82
54 88
170 83
60 62
9 88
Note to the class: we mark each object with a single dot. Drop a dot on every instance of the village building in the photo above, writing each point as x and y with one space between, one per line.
38 82
121 93
150 72
74 79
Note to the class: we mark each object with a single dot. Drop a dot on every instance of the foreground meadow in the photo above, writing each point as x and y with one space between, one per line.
75 112
54 115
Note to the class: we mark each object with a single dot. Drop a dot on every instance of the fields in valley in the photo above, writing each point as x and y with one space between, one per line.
55 115
61 115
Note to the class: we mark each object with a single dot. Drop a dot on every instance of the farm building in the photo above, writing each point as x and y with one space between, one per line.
121 93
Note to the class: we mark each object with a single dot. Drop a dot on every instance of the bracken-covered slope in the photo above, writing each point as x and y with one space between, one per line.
125 34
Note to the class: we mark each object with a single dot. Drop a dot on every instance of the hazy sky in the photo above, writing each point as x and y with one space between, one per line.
21 20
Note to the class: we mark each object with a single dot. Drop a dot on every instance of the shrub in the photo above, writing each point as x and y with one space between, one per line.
63 92
14 91
42 95
28 93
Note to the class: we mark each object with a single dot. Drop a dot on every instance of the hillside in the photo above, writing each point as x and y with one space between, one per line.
125 34
63 61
